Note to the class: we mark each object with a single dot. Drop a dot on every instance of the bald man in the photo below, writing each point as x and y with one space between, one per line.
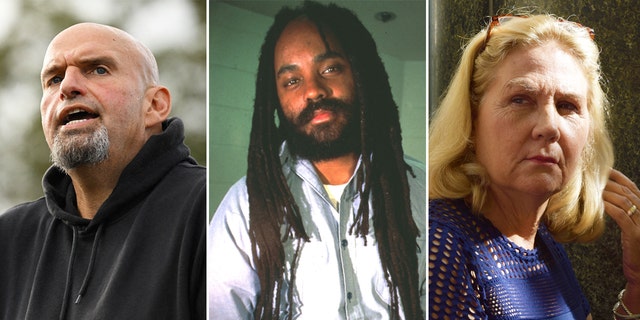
120 231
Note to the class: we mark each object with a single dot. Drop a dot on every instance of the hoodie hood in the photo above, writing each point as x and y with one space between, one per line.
159 155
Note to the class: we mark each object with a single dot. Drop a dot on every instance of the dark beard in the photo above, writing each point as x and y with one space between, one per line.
326 141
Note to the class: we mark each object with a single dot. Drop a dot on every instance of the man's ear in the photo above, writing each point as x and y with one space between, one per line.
157 107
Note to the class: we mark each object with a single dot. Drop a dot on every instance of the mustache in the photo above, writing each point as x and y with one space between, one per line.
333 105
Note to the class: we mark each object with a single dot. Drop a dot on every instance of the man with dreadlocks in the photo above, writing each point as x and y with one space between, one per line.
329 221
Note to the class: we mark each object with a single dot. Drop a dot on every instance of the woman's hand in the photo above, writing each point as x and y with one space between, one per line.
622 203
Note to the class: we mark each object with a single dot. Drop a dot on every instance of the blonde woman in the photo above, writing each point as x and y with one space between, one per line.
519 157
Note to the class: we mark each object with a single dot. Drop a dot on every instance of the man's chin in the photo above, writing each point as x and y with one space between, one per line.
324 133
82 147
319 149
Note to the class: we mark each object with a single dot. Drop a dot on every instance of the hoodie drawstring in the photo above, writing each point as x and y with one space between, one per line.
92 259
67 286
87 276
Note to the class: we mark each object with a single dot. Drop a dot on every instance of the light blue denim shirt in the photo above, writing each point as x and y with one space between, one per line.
338 277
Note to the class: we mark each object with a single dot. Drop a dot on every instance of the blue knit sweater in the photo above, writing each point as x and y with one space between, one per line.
475 272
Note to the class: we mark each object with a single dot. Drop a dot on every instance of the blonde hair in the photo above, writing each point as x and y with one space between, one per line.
575 213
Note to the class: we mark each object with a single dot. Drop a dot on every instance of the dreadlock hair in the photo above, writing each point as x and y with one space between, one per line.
382 176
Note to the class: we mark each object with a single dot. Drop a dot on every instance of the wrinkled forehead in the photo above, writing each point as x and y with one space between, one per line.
88 40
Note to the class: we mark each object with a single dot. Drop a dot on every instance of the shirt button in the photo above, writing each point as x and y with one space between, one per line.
344 243
349 295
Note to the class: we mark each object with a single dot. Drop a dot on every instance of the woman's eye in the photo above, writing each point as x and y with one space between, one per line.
518 100
567 106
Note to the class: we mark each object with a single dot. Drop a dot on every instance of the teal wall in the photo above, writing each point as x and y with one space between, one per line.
235 37
616 23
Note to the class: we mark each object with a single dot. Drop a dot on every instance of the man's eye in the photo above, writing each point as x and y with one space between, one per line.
331 69
291 82
100 70
55 80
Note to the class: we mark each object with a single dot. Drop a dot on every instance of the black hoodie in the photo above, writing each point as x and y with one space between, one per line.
141 257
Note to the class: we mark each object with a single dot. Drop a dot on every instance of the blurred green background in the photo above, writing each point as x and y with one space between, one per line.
617 27
175 30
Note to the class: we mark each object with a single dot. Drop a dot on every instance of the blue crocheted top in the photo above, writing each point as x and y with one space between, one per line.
475 272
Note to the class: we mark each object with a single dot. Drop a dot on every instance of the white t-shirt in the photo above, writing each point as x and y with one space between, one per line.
335 193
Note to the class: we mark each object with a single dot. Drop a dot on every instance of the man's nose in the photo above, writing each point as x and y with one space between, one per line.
72 84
